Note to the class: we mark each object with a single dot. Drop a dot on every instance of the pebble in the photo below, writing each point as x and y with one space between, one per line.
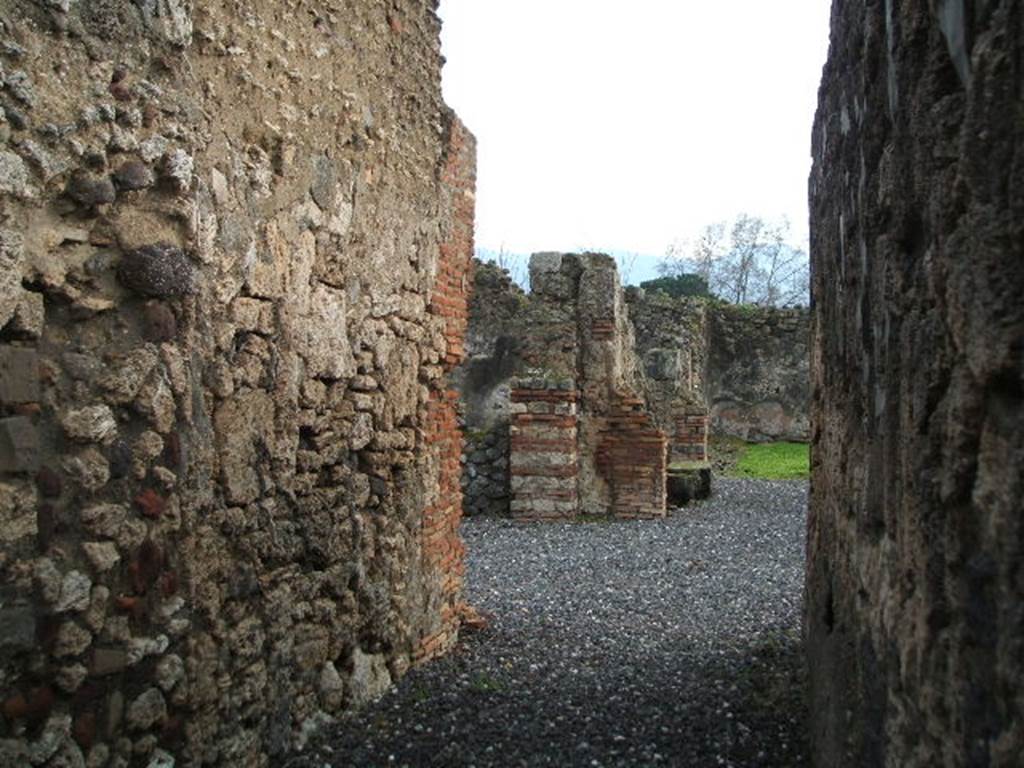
673 642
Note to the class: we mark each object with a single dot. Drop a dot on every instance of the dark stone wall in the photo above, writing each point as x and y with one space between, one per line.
915 585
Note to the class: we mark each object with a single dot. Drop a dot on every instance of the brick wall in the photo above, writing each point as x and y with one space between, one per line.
443 549
631 456
690 439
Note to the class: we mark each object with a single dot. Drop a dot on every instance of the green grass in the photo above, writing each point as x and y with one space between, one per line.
775 461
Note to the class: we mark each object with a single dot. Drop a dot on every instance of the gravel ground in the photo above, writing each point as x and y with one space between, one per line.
671 642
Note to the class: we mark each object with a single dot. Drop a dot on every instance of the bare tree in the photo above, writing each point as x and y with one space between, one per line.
513 263
749 262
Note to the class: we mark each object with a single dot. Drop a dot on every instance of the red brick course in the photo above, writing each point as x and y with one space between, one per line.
632 457
442 548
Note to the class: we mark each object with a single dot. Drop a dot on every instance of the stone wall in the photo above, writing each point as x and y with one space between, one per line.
914 621
758 375
484 385
234 242
749 366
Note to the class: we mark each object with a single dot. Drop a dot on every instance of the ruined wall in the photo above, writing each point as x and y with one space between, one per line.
673 341
749 366
234 241
758 374
484 385
567 346
915 587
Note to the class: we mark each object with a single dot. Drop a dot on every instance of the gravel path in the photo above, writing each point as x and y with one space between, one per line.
671 642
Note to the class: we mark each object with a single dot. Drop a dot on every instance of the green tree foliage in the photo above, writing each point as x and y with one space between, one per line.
682 284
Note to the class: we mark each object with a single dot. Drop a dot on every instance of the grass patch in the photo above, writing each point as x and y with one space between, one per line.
775 461
484 683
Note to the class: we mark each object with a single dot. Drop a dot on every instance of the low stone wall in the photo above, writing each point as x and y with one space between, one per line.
485 471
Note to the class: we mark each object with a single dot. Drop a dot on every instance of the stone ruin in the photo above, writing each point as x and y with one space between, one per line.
555 376
234 270
235 248
611 368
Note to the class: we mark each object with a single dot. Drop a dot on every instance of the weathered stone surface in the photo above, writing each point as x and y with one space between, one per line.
19 375
103 555
14 175
247 510
89 468
370 677
11 259
241 424
146 710
132 176
17 628
74 592
19 445
913 618
89 190
93 424
758 376
71 640
18 516
159 270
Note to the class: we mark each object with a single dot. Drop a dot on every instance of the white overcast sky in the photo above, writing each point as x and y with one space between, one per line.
626 124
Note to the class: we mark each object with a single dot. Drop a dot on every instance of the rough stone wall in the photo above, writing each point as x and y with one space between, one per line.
234 241
749 366
758 375
673 340
484 385
915 587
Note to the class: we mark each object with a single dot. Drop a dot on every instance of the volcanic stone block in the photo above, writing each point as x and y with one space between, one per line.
19 445
19 375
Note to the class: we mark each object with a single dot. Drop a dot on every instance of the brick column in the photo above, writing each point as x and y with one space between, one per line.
632 457
691 436
543 460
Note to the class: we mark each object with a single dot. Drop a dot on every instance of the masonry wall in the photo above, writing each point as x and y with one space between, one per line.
758 375
748 366
484 382
915 633
234 254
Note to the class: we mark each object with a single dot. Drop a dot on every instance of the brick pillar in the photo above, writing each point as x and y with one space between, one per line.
632 457
543 462
691 436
